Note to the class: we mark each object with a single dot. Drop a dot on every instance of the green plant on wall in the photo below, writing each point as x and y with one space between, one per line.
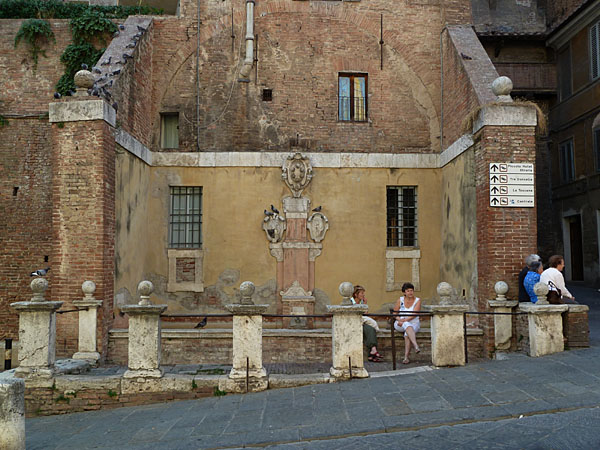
73 57
35 32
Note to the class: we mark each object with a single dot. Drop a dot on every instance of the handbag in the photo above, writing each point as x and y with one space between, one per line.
554 296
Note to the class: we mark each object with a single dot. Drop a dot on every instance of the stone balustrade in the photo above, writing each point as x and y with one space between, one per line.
502 322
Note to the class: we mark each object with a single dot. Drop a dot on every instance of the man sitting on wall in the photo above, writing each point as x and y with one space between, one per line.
523 296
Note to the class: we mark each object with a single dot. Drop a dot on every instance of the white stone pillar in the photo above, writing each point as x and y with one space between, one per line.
545 324
247 373
447 335
37 333
144 335
88 323
502 323
12 414
347 337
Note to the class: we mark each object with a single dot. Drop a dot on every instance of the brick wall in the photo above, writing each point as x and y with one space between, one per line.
504 235
25 166
83 222
300 64
576 327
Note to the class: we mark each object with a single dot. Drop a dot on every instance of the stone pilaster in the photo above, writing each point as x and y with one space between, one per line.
545 327
12 414
144 335
247 373
502 323
447 335
88 321
37 333
346 337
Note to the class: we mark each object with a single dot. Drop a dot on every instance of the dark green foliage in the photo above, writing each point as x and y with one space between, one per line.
56 9
73 57
89 25
34 32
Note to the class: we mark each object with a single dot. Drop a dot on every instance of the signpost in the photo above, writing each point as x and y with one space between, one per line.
512 185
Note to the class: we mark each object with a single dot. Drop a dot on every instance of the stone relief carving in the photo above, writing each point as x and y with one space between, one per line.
297 173
317 225
295 290
275 226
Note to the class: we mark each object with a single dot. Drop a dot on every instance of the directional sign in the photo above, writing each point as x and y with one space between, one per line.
512 185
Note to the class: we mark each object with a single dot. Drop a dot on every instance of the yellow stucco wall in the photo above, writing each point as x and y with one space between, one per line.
354 201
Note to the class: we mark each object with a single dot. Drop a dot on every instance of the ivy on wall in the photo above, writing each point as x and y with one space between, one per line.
90 26
34 32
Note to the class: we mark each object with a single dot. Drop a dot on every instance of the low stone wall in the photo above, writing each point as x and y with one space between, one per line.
575 328
77 393
214 346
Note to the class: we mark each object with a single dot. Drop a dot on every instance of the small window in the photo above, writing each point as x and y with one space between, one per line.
402 216
185 217
169 130
352 97
597 148
595 50
564 72
267 95
567 161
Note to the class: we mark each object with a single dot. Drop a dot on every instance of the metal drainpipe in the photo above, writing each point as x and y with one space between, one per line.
249 59
198 77
442 89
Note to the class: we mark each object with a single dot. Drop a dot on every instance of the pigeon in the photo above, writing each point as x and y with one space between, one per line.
141 29
117 72
126 56
132 45
57 95
96 70
318 208
121 27
115 106
275 210
137 36
202 323
467 57
95 93
84 66
106 62
116 34
40 272
268 213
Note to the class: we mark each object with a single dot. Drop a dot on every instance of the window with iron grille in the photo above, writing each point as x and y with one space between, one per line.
595 50
352 97
402 216
567 161
185 217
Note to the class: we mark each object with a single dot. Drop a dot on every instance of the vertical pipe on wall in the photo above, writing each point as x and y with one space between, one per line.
249 59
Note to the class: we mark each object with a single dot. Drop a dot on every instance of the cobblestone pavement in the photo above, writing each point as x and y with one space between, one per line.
476 406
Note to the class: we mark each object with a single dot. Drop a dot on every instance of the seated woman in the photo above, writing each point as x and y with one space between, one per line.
369 326
409 324
532 278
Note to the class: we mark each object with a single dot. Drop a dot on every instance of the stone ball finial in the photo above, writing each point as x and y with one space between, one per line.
88 287
444 289
84 79
346 289
501 289
145 288
541 291
38 286
502 86
247 289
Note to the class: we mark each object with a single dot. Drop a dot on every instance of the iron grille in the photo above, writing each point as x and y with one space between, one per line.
402 216
185 217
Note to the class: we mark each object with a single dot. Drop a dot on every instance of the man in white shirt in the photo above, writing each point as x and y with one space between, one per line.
553 277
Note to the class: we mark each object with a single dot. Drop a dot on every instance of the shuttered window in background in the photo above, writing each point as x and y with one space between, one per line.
595 50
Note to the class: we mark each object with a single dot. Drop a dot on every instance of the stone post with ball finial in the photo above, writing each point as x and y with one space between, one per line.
88 315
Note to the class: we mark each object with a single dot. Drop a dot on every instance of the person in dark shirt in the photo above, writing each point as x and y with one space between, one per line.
523 296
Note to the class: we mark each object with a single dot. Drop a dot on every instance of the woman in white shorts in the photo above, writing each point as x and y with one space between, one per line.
410 325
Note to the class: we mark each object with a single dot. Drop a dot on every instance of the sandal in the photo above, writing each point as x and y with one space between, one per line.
375 358
405 361
417 350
